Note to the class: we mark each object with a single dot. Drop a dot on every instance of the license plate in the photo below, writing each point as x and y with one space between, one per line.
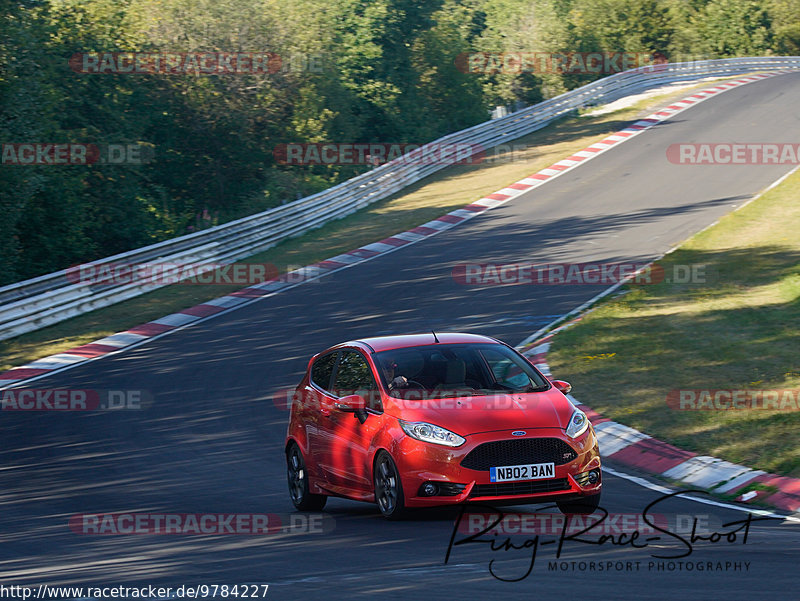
530 471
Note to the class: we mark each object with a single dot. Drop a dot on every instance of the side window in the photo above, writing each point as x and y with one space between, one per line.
354 376
322 369
505 371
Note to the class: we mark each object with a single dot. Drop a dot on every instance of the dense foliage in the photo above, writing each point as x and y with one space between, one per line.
351 71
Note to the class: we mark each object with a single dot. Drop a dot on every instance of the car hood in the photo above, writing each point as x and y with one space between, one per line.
472 415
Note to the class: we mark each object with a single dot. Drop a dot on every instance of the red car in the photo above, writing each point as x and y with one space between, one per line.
437 419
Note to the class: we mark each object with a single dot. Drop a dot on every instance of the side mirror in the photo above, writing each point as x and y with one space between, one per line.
562 386
355 404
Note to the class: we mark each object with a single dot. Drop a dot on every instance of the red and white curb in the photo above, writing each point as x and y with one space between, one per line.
628 446
213 308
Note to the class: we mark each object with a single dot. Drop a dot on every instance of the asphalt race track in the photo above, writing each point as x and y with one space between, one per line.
211 441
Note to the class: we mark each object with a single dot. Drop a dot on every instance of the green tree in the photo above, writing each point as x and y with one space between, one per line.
734 28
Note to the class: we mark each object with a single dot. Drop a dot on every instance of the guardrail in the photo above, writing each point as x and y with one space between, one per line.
51 298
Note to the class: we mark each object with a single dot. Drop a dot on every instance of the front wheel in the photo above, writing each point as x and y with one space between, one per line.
583 505
298 482
388 487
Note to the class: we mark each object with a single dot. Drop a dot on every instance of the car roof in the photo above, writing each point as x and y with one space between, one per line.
386 343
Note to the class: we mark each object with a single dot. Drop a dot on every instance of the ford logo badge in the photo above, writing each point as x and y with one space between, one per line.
518 433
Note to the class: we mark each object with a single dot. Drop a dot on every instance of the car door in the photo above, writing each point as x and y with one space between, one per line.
318 401
346 459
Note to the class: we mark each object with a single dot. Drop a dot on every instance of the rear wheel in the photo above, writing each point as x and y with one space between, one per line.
298 482
584 505
388 487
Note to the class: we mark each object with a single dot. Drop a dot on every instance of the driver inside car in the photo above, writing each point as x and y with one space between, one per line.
395 382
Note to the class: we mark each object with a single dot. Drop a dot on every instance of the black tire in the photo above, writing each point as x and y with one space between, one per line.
388 488
298 482
584 505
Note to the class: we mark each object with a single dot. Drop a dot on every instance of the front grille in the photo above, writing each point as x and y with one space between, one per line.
519 452
525 487
450 489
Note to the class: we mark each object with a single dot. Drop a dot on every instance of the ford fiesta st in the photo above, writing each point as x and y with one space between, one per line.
437 419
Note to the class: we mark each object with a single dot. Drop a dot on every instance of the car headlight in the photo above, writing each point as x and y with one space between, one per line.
430 433
578 424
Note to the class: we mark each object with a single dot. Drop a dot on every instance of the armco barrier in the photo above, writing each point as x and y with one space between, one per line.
48 299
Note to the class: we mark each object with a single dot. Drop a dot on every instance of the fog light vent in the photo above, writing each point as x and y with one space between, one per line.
442 489
429 489
588 478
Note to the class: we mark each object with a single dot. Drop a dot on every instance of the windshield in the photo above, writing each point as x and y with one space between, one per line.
443 370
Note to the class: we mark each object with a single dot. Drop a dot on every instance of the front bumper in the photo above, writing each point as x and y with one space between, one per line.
420 462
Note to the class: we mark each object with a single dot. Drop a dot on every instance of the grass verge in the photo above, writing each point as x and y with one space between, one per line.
737 331
440 193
